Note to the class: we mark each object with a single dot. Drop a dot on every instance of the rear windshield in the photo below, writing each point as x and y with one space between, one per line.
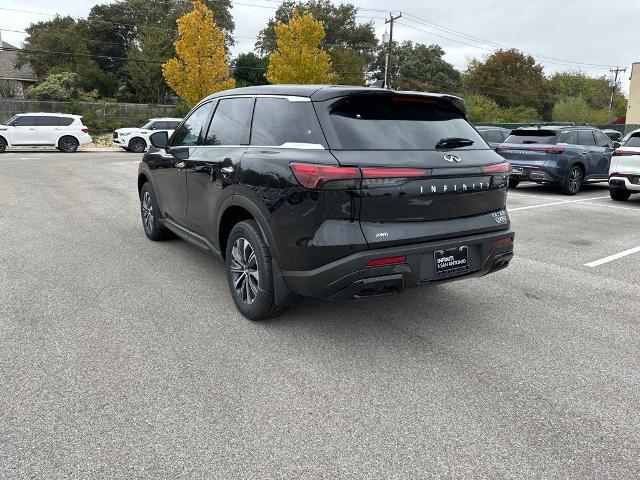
634 141
532 136
375 122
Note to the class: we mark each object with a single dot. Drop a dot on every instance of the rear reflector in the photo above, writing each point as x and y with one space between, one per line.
85 130
499 168
379 262
315 176
625 153
502 241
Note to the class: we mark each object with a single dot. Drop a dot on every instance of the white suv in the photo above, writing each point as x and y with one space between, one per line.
624 173
65 132
137 139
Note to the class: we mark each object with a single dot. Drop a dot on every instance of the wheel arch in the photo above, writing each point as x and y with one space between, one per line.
67 135
236 209
142 179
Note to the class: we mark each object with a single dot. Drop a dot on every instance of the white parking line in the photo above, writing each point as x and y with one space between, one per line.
611 258
555 203
528 195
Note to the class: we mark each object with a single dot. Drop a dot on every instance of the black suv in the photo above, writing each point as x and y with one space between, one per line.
330 192
567 156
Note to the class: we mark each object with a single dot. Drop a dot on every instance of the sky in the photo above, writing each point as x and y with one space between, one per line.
590 36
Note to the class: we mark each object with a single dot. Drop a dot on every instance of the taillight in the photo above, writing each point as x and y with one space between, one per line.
502 148
625 153
85 130
547 149
387 177
498 168
317 176
381 262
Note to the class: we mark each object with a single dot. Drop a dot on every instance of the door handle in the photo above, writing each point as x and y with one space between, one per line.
32 129
227 170
180 165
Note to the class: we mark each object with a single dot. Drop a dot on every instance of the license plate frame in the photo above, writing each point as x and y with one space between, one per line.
451 261
517 170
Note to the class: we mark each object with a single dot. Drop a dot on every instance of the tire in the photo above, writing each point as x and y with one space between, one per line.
68 144
137 145
513 183
573 181
619 195
248 265
149 213
3 145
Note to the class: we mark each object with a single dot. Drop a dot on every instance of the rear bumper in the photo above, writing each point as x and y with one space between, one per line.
350 277
623 183
534 174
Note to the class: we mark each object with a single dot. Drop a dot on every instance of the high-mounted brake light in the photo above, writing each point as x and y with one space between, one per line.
381 262
393 172
315 176
498 168
625 153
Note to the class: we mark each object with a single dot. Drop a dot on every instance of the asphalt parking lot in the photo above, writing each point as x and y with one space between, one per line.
123 358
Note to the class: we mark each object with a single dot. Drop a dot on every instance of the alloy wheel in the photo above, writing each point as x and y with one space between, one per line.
147 211
575 180
244 271
68 144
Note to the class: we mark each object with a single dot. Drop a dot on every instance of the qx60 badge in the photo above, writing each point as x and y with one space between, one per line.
452 158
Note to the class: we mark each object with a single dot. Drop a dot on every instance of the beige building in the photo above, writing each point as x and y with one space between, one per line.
633 108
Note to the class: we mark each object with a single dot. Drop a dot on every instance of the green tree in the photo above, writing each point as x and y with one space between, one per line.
482 109
422 67
8 89
250 69
348 66
55 86
520 114
510 77
299 57
144 73
595 91
577 109
200 66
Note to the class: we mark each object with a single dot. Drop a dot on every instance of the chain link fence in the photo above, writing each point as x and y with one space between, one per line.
97 116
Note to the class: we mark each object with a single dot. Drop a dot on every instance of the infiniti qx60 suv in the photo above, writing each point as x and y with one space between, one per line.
329 192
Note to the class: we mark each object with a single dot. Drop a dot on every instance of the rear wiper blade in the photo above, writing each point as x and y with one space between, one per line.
454 142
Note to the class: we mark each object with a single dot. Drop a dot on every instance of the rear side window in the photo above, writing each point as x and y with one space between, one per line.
277 121
634 141
532 136
26 121
602 140
585 137
190 133
65 121
493 136
394 122
570 137
231 124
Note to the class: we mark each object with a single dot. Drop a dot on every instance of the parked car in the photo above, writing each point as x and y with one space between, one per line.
65 132
624 174
494 136
614 135
567 156
329 192
137 139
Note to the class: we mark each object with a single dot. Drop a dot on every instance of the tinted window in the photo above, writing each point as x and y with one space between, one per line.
494 136
532 136
585 137
395 123
277 121
570 137
505 134
171 125
154 126
47 121
191 130
26 121
231 124
65 121
484 134
634 141
602 140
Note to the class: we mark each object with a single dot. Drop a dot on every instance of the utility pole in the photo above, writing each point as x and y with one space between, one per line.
387 62
615 71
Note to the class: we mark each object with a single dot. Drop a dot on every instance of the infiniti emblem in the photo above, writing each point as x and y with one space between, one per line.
452 158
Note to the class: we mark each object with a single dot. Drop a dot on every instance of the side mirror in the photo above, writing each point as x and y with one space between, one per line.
617 144
159 139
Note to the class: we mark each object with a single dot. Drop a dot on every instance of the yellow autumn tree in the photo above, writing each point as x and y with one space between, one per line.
200 65
298 57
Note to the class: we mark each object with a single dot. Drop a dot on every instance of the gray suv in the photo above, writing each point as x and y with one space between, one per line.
567 156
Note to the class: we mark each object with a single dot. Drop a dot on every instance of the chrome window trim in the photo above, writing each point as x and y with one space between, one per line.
291 98
287 146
